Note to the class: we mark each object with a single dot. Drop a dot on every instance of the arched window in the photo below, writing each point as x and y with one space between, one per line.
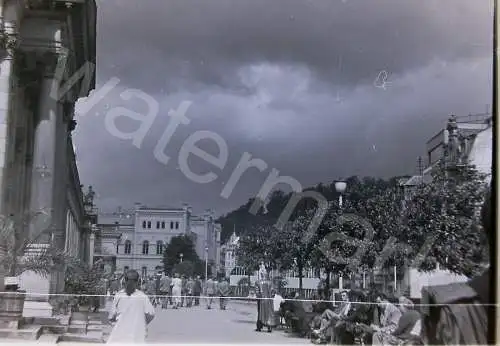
128 247
159 247
171 225
157 224
145 247
163 224
143 224
177 225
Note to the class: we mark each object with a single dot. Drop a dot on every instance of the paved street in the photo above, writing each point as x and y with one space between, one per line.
198 325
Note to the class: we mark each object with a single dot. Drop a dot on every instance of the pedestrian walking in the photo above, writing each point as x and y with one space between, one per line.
114 285
189 292
184 290
165 290
177 291
151 291
265 313
210 289
197 291
131 312
223 291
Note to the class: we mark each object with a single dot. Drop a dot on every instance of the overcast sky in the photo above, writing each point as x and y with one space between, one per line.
291 82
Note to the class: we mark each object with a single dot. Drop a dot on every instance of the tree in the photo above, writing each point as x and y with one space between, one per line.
293 247
186 268
256 246
181 245
441 220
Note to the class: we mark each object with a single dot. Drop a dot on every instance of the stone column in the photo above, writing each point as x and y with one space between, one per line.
46 185
6 78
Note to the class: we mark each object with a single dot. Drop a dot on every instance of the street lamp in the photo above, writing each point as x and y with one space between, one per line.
181 256
340 187
206 262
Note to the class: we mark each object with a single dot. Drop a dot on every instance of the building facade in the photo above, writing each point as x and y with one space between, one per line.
136 240
228 254
43 44
465 139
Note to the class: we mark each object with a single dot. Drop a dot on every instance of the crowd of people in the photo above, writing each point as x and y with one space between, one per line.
358 318
457 313
178 291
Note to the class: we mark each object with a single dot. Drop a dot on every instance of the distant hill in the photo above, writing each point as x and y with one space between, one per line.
358 189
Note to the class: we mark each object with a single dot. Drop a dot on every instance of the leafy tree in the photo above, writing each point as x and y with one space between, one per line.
256 246
181 245
292 245
442 222
186 268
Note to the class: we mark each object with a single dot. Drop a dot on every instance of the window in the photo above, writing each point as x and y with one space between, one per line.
157 224
144 272
177 225
163 224
149 224
171 225
143 224
145 247
159 247
128 247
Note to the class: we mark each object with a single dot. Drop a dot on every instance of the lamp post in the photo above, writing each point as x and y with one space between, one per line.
206 262
340 187
181 255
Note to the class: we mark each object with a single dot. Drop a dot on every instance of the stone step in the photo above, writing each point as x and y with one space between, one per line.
27 333
78 323
45 321
79 316
92 338
49 338
77 329
9 324
92 328
54 329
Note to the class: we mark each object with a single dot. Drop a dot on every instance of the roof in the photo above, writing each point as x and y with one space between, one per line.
161 208
114 219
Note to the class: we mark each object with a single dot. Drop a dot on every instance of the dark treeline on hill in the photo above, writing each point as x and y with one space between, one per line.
436 223
358 190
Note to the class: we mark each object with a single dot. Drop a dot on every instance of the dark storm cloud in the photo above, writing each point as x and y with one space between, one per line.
186 42
266 76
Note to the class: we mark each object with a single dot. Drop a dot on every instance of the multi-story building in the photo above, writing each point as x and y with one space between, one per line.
465 139
228 254
137 239
207 238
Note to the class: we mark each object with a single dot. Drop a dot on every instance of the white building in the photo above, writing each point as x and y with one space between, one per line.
228 254
474 144
137 240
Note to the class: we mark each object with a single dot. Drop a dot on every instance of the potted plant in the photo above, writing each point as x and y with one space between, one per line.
82 282
22 252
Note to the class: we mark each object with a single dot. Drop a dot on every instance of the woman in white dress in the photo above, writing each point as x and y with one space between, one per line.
177 291
131 312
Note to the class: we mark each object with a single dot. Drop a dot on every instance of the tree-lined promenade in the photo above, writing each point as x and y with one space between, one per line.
377 226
